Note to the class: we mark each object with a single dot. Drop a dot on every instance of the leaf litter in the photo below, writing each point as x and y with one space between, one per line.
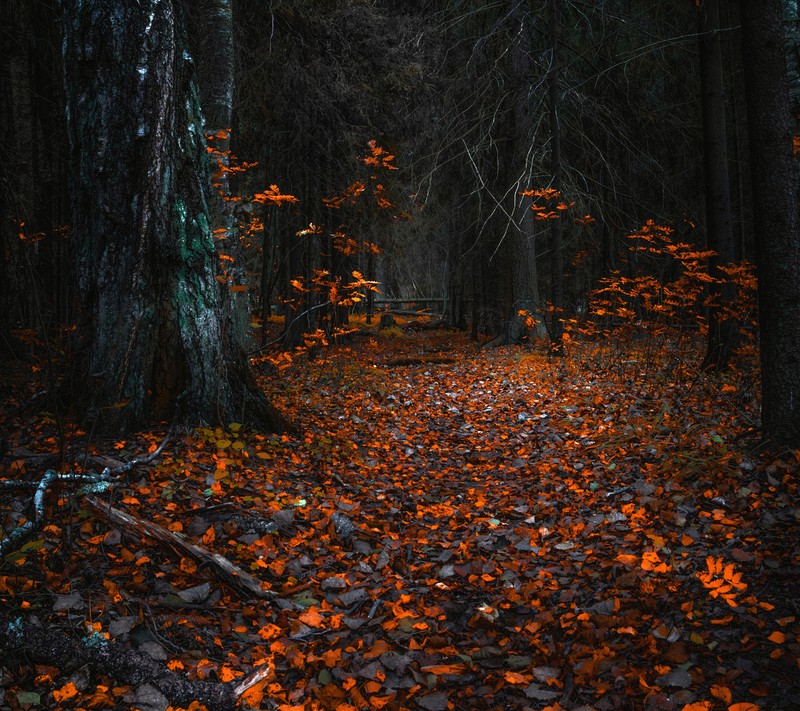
488 530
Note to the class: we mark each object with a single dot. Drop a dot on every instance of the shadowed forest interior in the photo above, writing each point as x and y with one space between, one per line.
399 355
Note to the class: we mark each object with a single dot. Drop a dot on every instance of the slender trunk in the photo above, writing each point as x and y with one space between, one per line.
211 41
557 225
524 272
455 315
723 328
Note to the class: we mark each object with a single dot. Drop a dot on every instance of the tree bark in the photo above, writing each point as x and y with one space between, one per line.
776 221
22 639
156 319
35 286
211 43
723 328
557 226
524 271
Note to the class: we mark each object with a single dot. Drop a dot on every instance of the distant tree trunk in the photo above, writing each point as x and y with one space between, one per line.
776 220
155 318
36 286
454 311
557 227
524 274
723 329
741 193
211 42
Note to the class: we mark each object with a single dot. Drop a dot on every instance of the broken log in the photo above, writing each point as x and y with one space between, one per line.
230 573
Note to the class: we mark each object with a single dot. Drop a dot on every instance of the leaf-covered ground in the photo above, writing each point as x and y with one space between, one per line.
593 533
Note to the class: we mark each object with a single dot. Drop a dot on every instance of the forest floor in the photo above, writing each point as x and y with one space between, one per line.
452 528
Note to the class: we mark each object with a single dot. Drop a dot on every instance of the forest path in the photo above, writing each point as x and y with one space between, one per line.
555 536
479 529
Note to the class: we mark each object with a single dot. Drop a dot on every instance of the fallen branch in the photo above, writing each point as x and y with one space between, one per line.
51 460
93 483
420 360
26 641
23 533
229 572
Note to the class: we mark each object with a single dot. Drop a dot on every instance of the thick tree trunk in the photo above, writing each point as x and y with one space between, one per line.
776 222
156 318
723 329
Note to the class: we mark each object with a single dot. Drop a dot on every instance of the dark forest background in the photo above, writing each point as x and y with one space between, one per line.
495 156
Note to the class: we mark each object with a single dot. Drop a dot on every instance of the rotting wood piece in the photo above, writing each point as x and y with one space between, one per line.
23 640
229 572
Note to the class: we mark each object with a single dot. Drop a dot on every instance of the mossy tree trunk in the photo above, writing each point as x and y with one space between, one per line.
156 318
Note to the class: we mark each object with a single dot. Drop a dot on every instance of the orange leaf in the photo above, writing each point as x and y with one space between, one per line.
440 669
515 678
380 647
65 692
269 631
209 536
777 637
723 693
311 617
255 694
226 673
744 706
627 559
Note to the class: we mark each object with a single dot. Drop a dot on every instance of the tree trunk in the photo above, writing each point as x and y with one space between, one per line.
557 227
524 274
723 328
454 311
211 44
36 289
156 319
776 224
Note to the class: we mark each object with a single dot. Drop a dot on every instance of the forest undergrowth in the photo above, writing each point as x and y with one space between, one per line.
452 528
